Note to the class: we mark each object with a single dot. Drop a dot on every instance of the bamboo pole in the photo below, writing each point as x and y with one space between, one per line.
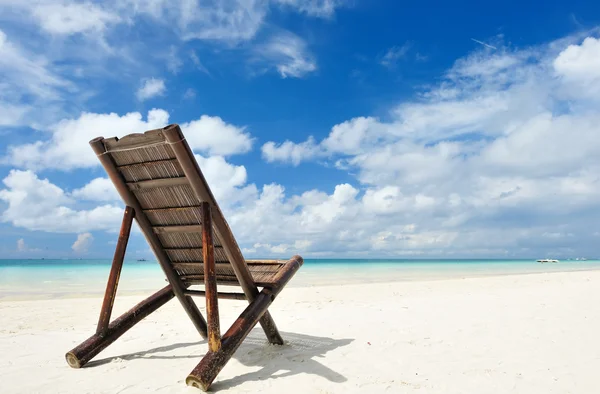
163 259
115 271
210 280
83 353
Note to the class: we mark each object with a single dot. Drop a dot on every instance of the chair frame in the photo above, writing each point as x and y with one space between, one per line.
220 347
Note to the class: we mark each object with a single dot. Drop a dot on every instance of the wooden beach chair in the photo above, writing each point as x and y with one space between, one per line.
165 192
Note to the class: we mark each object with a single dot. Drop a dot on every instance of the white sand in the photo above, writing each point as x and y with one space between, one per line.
514 334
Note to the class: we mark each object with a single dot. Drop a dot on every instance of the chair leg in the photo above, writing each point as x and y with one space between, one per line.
115 270
213 362
106 332
210 280
88 349
271 331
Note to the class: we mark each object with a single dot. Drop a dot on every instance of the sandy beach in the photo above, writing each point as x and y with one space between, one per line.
534 333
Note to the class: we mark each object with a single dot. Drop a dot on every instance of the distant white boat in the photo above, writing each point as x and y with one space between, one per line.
547 261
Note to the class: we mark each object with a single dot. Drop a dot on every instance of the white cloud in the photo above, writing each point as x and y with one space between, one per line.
289 151
260 249
13 115
38 204
22 247
151 87
229 21
211 134
288 53
67 147
227 181
580 61
72 18
579 66
82 243
348 138
98 189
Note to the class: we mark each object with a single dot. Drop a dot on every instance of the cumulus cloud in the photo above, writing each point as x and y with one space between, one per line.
579 67
38 204
22 247
580 61
82 243
98 189
65 149
290 151
211 134
151 87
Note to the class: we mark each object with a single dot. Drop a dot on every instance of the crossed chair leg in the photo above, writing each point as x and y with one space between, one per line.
221 349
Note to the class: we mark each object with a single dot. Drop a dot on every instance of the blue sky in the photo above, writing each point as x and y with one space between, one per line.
327 128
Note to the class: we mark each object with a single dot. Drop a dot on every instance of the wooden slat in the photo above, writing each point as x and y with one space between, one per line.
134 141
222 295
148 163
222 280
177 229
184 249
167 209
199 280
195 264
154 183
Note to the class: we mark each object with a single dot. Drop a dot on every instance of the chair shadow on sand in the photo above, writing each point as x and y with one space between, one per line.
296 356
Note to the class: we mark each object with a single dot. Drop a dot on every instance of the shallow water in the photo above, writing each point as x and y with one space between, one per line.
35 279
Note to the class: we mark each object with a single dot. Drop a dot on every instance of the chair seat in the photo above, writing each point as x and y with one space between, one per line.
266 273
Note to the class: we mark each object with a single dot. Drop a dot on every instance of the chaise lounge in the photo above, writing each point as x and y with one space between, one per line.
165 192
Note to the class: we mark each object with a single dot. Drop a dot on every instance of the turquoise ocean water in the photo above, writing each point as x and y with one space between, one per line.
34 279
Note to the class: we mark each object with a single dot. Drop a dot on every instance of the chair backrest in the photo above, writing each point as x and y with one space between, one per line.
159 169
